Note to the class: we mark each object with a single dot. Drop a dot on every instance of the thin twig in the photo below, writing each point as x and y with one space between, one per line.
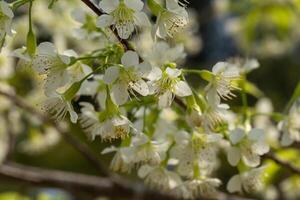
283 163
75 181
78 145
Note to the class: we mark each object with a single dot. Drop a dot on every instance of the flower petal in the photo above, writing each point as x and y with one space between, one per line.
173 73
141 19
109 5
47 48
256 134
182 89
120 93
130 58
165 100
234 184
233 156
104 21
136 5
6 9
236 135
111 75
141 87
250 158
260 148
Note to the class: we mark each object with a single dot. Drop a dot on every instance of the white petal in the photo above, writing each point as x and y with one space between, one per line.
219 67
141 19
65 59
6 9
256 134
172 5
173 73
136 5
109 5
236 135
111 75
125 30
109 150
141 87
286 140
47 48
155 74
234 184
260 148
182 89
70 53
104 21
250 158
233 156
130 58
165 100
119 93
144 171
78 15
143 69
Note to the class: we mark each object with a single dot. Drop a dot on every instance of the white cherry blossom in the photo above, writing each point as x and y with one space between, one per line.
168 85
248 146
223 81
124 15
108 125
128 78
171 20
291 125
249 181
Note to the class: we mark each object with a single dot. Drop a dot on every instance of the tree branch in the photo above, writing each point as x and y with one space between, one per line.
78 145
283 163
72 181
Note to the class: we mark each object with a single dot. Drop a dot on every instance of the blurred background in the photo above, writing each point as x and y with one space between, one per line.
219 30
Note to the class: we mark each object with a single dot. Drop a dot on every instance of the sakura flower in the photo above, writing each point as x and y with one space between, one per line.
6 16
171 19
49 62
169 85
248 146
223 81
201 187
250 181
162 53
197 150
127 78
124 15
160 178
121 161
291 125
109 124
58 106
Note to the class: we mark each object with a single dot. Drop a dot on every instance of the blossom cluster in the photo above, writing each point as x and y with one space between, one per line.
170 133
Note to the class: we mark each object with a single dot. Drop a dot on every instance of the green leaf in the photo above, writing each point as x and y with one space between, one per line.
154 7
295 96
252 89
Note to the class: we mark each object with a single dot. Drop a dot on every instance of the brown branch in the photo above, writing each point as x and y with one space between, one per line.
78 145
75 181
283 163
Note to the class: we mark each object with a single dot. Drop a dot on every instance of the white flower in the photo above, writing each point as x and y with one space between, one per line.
247 146
197 150
223 81
58 106
121 161
124 15
168 85
49 62
108 125
171 19
6 16
196 188
159 178
291 125
161 53
250 181
128 78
